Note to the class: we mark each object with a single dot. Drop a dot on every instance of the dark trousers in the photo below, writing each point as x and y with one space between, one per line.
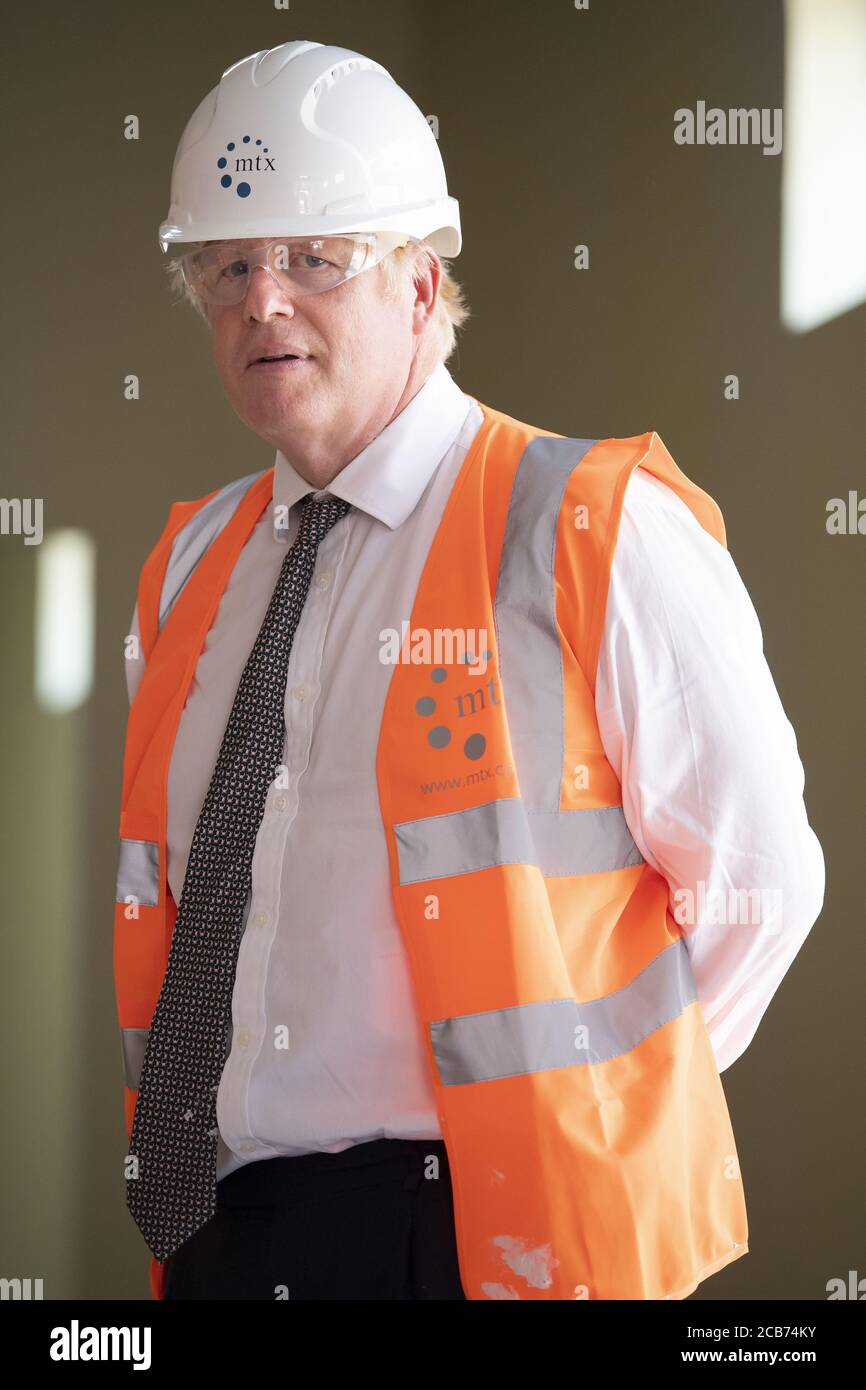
362 1223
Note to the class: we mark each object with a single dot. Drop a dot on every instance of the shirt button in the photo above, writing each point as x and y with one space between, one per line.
243 1039
323 580
300 692
247 1146
261 919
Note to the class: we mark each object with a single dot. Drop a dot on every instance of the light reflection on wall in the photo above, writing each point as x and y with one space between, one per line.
823 261
65 619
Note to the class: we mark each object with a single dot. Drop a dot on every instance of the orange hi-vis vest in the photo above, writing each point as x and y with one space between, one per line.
582 1110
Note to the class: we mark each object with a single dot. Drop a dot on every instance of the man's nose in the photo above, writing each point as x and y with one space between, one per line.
266 295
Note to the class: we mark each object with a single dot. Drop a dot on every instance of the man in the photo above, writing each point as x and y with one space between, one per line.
462 834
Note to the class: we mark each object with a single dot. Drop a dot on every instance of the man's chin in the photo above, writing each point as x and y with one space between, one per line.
271 418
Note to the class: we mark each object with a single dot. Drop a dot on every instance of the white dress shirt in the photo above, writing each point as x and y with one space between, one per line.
712 785
327 1049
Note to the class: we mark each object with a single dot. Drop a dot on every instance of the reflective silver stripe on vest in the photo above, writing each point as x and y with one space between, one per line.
508 832
193 539
530 657
133 1041
530 664
138 872
541 1037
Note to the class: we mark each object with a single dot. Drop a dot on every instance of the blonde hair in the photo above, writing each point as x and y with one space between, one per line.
398 271
452 311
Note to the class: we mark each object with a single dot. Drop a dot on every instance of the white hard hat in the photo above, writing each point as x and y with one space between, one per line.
307 140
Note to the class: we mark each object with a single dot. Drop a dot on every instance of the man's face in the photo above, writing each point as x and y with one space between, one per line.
356 349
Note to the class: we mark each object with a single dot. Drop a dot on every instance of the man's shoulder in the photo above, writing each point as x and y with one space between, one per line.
206 516
192 526
227 494
608 450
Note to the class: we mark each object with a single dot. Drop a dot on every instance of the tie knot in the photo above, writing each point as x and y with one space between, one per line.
319 514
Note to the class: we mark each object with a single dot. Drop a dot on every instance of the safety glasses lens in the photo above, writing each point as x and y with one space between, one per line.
220 273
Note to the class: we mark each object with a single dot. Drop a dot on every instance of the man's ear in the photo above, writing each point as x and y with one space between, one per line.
429 272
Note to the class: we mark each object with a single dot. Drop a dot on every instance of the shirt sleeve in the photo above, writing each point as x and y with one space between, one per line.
712 784
135 662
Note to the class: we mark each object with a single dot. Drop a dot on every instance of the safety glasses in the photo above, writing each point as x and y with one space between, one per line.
220 273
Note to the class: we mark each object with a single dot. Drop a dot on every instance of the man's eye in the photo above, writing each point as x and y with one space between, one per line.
235 269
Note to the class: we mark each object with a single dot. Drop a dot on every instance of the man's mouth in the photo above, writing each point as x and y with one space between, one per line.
286 361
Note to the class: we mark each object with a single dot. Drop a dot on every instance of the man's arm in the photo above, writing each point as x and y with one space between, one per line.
712 783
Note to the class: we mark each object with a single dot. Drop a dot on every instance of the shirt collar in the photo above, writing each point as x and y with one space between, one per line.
387 478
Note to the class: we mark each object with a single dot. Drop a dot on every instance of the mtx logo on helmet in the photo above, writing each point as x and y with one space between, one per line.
245 164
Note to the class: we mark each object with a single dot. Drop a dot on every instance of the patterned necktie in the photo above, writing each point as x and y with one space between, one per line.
174 1132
